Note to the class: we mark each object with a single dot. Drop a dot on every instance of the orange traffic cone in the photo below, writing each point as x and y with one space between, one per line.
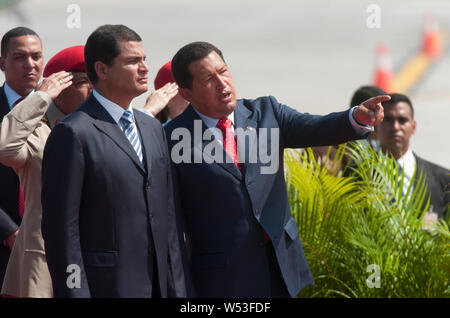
431 41
384 78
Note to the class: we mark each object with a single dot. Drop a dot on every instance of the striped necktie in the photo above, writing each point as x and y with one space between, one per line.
129 128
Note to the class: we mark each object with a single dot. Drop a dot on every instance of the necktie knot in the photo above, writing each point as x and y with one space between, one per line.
229 143
224 124
129 128
126 119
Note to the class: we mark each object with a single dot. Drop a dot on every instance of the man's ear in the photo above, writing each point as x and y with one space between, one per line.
2 63
185 93
101 69
414 124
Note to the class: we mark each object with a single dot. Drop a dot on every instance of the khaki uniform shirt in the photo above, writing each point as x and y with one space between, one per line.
23 133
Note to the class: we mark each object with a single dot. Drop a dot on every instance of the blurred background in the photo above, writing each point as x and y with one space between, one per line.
310 55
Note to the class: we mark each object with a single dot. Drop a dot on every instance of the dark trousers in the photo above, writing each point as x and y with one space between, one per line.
278 288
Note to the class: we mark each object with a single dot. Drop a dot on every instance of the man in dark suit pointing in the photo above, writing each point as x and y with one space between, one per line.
108 209
243 241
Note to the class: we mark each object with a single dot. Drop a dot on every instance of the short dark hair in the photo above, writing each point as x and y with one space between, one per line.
364 93
397 98
103 45
188 54
14 33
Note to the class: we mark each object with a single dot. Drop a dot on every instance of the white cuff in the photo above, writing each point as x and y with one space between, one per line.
145 111
360 129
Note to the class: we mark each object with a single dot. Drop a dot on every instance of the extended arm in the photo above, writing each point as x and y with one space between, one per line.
305 130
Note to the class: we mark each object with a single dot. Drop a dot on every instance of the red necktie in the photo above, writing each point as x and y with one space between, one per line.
21 197
229 143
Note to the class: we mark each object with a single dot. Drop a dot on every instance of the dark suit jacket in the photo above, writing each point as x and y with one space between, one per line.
225 211
106 213
438 184
9 199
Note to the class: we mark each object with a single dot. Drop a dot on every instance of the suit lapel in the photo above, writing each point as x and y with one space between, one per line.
247 125
106 124
199 147
420 168
144 130
4 107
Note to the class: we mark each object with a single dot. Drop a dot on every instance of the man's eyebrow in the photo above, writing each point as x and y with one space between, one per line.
133 57
18 52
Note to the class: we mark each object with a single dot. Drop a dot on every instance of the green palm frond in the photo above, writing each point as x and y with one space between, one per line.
347 223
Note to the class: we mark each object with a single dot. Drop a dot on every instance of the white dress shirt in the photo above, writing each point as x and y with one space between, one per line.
408 164
11 96
112 108
211 123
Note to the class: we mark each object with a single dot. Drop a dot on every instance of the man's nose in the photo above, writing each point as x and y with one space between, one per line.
29 63
143 68
396 125
221 84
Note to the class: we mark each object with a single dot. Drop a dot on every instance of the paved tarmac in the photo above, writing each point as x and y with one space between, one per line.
310 55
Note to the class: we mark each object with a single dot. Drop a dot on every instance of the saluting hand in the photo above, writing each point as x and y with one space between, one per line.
55 83
371 111
160 98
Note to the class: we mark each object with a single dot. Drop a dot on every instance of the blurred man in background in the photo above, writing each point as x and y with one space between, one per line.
394 134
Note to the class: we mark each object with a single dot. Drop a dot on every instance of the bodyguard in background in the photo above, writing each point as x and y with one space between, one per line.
395 134
23 133
21 61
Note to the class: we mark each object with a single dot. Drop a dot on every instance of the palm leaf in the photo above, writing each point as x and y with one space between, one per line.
349 222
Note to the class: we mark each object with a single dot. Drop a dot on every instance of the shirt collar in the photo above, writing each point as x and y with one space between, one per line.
212 122
12 96
112 108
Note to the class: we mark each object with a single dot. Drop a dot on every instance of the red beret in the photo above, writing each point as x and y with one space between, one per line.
164 75
70 59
